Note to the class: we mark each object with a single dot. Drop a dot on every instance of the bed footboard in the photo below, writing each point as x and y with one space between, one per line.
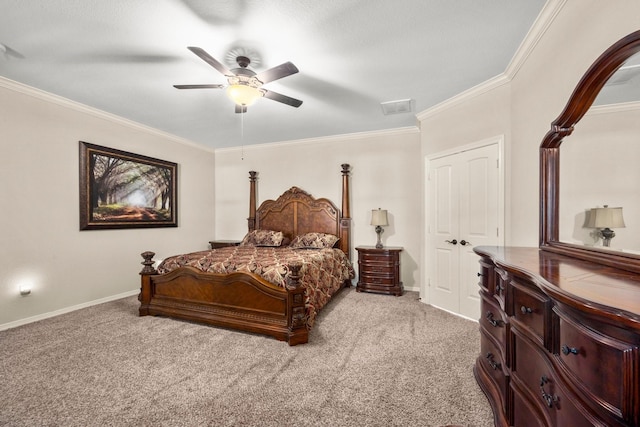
240 301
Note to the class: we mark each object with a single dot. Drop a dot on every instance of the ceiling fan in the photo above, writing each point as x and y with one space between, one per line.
244 85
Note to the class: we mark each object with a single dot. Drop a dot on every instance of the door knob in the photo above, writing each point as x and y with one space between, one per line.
464 243
453 242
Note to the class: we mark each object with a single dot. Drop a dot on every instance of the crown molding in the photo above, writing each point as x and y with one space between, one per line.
326 139
538 29
613 108
85 109
540 26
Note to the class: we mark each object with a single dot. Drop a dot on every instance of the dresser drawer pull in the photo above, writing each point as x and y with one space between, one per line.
548 398
480 275
495 323
495 365
566 350
526 310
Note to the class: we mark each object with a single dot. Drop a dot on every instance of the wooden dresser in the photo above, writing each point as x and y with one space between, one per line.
379 270
560 340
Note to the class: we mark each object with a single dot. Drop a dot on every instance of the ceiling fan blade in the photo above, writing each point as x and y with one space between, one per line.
275 73
198 86
210 60
282 98
8 52
241 108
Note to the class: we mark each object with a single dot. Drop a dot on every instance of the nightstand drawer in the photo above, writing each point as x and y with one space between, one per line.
379 257
376 269
378 280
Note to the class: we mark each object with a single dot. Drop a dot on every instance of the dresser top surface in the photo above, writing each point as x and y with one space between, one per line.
570 277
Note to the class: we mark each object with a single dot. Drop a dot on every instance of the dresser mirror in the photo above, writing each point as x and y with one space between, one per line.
582 170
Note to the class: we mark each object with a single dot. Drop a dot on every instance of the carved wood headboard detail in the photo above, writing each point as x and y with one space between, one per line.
297 212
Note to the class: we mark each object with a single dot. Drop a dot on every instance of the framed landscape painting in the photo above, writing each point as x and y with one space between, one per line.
125 190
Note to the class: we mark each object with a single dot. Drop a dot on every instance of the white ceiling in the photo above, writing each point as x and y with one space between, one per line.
123 56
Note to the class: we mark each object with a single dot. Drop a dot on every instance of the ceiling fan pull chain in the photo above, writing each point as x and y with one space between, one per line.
242 135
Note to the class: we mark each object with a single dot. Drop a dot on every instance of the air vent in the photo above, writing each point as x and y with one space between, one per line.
397 107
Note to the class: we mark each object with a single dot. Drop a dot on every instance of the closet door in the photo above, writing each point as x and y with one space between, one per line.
463 213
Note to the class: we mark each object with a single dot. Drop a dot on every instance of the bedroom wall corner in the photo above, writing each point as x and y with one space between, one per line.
385 173
42 245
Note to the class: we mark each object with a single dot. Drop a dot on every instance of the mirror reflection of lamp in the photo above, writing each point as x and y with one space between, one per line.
605 219
379 219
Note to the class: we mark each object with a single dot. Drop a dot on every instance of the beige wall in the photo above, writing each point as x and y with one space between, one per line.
580 33
523 108
386 173
39 170
41 241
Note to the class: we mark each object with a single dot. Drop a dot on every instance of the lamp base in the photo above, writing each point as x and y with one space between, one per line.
607 235
379 231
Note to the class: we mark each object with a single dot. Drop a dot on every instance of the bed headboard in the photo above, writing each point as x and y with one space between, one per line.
297 212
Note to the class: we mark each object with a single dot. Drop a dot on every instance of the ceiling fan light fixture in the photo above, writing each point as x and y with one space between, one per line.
243 94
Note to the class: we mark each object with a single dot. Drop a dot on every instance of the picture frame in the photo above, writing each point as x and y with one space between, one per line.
120 190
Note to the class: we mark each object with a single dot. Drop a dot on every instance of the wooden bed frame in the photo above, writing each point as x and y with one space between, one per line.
245 301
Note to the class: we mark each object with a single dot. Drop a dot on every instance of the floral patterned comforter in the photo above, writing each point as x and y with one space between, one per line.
323 270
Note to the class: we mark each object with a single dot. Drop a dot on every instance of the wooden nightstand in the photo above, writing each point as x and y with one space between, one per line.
379 270
215 244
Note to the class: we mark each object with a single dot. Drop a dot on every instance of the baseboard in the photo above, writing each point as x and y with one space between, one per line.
50 314
454 313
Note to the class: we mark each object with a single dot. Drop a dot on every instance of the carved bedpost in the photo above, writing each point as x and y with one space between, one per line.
145 282
298 332
345 221
252 200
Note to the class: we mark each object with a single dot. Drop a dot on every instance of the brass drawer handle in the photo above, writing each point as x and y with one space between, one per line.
566 350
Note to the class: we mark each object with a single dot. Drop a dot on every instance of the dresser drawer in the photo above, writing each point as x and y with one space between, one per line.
492 320
581 355
525 414
487 277
558 407
493 364
530 364
502 280
531 308
534 373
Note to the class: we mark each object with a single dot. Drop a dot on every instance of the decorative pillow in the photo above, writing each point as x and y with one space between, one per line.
314 241
262 238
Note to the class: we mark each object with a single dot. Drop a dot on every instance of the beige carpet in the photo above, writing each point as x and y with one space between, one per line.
372 360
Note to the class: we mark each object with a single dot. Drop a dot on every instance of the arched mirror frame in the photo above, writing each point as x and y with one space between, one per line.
579 103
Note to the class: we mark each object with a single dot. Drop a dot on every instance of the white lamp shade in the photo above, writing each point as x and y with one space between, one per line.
379 217
243 94
605 217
